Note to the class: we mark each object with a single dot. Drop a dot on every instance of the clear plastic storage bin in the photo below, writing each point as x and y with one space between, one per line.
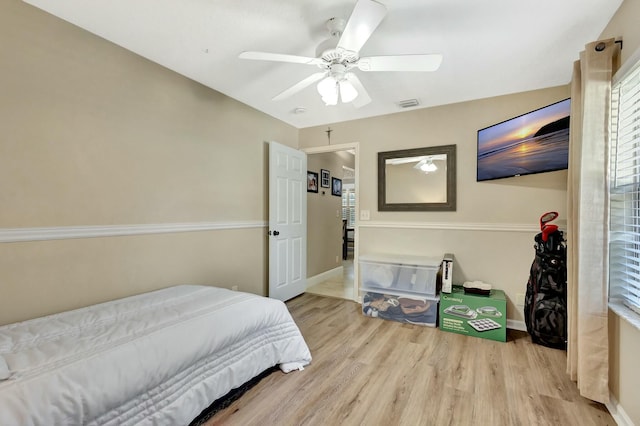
393 273
401 307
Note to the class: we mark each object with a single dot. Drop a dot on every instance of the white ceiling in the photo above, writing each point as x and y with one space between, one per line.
490 47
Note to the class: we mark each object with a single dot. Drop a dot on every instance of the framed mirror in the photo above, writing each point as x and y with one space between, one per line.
419 179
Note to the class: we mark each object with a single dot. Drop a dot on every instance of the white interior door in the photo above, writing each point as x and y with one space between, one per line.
287 222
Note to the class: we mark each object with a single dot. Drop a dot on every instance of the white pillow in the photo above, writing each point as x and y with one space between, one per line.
4 369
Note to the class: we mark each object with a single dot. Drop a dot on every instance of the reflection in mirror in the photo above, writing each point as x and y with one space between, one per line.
421 179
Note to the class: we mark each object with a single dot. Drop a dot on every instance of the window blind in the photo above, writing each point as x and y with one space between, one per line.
624 191
349 206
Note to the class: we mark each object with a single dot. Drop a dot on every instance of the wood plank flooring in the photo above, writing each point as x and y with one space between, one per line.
340 287
376 372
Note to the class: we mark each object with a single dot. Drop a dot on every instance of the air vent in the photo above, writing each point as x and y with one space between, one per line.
408 103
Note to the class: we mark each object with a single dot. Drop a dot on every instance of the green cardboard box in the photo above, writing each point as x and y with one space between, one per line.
474 315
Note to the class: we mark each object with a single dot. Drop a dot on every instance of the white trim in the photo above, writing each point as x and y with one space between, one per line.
325 276
355 146
628 66
331 148
516 325
625 313
457 226
12 235
617 412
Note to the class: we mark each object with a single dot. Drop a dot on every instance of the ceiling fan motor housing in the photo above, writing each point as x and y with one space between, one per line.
338 71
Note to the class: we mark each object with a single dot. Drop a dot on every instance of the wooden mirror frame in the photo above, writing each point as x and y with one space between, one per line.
449 205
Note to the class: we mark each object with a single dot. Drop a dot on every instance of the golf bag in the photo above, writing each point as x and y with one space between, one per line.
545 307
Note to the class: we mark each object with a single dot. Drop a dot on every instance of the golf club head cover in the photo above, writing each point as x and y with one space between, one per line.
547 230
546 218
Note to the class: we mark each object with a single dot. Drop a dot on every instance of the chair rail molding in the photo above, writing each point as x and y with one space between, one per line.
13 235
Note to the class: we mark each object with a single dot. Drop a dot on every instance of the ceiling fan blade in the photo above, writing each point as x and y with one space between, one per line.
365 18
299 86
278 57
363 97
401 63
404 160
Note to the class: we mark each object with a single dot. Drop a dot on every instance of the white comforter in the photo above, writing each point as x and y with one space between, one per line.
159 358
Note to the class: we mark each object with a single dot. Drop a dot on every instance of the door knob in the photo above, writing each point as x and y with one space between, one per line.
276 233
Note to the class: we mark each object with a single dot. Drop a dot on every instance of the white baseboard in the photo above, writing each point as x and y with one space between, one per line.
324 276
617 412
516 325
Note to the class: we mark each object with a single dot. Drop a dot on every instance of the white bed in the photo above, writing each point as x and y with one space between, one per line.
158 358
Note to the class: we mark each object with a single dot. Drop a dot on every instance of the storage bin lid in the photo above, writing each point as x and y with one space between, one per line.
402 259
405 295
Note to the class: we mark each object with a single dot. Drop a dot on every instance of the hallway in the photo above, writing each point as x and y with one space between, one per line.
339 287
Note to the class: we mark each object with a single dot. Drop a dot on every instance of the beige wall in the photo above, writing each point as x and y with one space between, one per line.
324 215
40 278
95 135
501 257
624 339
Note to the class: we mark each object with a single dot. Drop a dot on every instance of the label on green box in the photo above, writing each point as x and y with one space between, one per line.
474 315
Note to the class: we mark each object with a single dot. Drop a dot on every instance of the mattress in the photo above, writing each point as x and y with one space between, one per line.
158 358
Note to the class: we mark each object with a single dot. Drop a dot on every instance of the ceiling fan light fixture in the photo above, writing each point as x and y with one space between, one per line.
328 89
330 101
327 86
426 165
347 92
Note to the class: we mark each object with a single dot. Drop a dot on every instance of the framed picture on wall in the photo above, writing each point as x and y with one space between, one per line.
336 187
312 181
324 178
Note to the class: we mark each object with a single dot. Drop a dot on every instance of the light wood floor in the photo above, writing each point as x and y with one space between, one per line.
340 287
376 372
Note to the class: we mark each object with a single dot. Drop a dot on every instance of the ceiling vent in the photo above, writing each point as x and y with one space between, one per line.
408 103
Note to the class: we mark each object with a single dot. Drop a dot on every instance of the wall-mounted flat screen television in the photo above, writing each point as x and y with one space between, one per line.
535 142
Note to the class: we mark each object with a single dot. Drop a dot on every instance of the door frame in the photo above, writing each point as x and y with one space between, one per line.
356 228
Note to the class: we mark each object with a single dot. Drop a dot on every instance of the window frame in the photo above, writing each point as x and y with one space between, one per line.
624 193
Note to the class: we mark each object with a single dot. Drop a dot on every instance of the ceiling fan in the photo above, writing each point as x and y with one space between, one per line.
339 55
424 163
